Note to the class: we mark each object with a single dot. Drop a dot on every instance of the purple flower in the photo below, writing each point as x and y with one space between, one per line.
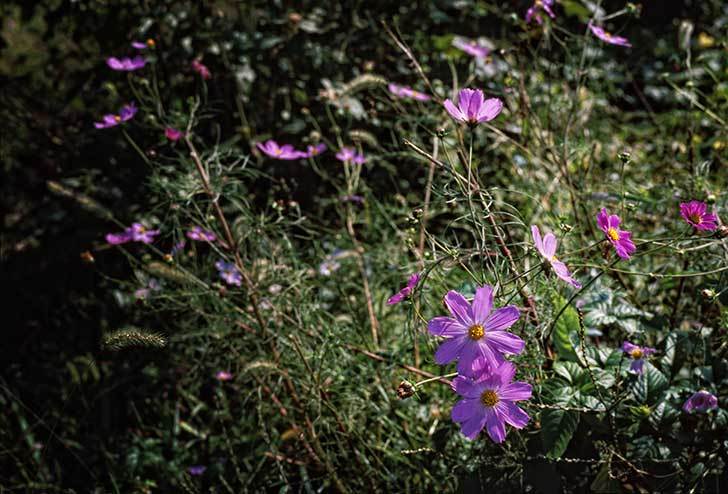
637 354
407 92
229 273
702 401
475 331
126 64
135 233
609 38
352 198
127 112
547 249
201 69
349 155
143 46
173 134
285 152
472 108
223 376
488 401
535 10
620 239
197 233
196 470
178 247
143 293
312 150
471 47
406 291
697 216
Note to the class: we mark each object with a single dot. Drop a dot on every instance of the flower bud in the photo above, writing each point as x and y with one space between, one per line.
405 390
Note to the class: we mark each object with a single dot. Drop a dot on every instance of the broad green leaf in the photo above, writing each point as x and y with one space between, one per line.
557 428
648 386
567 323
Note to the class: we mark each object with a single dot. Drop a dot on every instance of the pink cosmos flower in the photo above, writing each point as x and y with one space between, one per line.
126 64
223 376
547 249
406 291
471 47
312 150
472 108
149 43
201 69
475 331
407 92
697 216
534 12
620 239
637 354
609 38
135 233
229 273
127 112
701 401
284 152
349 155
197 233
173 134
489 401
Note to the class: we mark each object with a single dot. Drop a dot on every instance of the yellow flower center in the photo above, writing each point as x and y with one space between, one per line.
554 258
636 353
489 398
278 152
117 118
150 42
613 234
695 218
476 332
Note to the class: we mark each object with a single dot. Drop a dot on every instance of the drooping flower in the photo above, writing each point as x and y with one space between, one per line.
473 108
407 92
126 113
349 155
697 215
406 291
489 402
620 239
547 249
534 12
607 37
700 401
135 233
223 376
229 273
197 233
314 150
475 331
638 355
126 64
173 134
149 43
284 152
196 470
201 69
471 47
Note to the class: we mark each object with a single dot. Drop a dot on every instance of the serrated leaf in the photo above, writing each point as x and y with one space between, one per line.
557 429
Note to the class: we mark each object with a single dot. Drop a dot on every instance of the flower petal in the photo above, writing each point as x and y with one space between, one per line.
468 355
454 111
490 109
495 425
445 326
472 427
516 391
536 234
549 245
513 414
459 308
482 303
505 342
502 319
449 350
465 409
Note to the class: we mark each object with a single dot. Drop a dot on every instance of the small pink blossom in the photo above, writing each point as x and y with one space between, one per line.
620 239
407 92
603 35
223 376
201 69
696 214
406 291
473 108
471 47
173 134
547 248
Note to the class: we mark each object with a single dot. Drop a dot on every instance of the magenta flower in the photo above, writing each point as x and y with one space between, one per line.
173 134
229 273
701 401
149 43
488 401
620 239
534 12
196 470
126 64
285 152
547 249
197 233
223 376
406 291
472 108
697 216
407 92
312 150
349 155
471 47
135 233
201 69
637 354
475 331
127 112
609 38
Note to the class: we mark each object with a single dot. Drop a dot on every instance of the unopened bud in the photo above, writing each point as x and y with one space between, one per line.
87 257
707 293
405 390
723 231
625 157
